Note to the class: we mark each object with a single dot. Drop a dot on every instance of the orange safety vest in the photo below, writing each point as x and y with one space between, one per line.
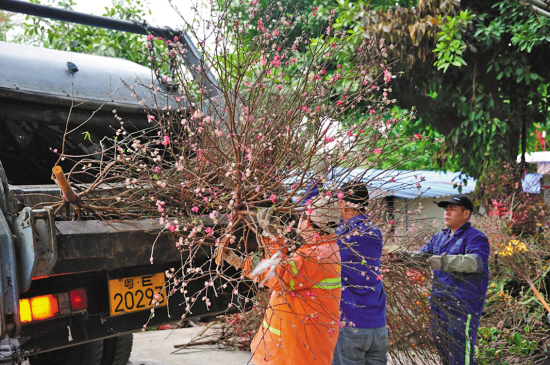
302 319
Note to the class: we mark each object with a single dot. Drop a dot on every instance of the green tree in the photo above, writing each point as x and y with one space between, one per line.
7 23
474 70
84 39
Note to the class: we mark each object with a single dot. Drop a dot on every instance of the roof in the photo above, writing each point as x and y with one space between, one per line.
536 157
409 184
30 72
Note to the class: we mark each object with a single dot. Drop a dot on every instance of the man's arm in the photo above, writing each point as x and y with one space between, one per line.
474 260
427 248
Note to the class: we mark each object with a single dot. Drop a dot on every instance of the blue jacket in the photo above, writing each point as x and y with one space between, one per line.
465 289
363 297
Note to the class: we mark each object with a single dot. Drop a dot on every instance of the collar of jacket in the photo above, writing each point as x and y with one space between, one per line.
459 231
353 221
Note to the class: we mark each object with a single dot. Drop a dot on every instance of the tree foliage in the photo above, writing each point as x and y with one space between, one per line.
474 70
65 36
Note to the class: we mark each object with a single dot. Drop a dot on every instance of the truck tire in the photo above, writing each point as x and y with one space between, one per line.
116 350
85 354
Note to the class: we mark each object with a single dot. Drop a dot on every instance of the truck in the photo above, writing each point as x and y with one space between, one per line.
72 292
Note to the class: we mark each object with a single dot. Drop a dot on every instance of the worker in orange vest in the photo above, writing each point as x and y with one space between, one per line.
301 323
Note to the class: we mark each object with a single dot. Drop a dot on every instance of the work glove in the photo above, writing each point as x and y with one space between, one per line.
233 259
411 255
264 220
321 168
469 263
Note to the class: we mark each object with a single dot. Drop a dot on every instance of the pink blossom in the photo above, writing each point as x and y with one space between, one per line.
166 141
329 194
340 195
272 198
308 203
339 102
387 75
172 228
418 136
195 209
377 151
150 118
309 211
55 150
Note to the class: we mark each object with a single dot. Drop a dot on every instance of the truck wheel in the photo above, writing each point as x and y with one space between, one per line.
116 350
85 354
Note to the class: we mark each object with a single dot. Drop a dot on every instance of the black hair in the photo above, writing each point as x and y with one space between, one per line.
357 193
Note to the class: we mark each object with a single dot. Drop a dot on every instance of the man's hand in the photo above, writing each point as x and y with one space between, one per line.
436 262
264 220
411 255
232 259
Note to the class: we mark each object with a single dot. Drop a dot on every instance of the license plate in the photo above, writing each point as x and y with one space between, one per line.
127 295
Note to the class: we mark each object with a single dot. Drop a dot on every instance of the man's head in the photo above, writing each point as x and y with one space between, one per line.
355 199
458 210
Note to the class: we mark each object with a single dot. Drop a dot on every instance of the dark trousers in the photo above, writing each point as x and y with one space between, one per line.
361 346
454 331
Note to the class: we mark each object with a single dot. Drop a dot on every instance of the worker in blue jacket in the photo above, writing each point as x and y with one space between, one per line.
363 339
459 258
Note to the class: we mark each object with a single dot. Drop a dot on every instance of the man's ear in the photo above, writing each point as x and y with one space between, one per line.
469 213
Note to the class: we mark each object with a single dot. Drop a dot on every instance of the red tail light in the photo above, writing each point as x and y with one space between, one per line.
79 299
52 305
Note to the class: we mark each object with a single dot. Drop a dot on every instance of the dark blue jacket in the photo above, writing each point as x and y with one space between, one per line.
465 289
363 297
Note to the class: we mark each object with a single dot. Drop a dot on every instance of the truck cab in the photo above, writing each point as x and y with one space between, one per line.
72 292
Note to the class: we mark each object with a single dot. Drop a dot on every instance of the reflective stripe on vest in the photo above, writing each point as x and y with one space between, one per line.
295 272
330 284
271 329
468 345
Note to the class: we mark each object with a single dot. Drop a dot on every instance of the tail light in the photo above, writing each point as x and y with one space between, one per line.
79 299
25 310
52 305
44 307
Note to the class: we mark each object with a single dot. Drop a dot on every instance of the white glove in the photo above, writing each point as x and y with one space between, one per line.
270 264
264 220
